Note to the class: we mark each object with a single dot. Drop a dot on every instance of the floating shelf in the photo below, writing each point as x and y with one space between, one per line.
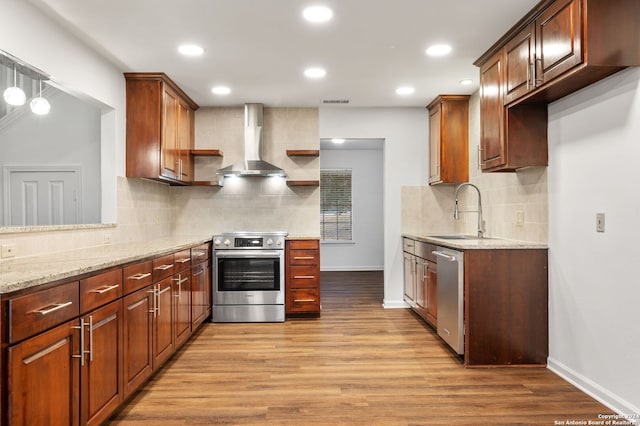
303 183
206 183
207 152
303 152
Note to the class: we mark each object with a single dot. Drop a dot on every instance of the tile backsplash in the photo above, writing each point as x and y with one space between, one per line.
429 209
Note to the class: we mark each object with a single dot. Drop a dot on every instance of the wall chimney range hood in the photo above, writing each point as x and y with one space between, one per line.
252 164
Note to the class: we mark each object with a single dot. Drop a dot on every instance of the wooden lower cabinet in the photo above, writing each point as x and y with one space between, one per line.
138 338
431 284
163 322
182 316
200 293
302 282
44 378
101 388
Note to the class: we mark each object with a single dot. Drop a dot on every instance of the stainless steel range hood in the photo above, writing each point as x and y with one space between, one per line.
253 164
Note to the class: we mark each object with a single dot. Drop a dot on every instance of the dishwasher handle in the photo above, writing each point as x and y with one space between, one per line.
445 255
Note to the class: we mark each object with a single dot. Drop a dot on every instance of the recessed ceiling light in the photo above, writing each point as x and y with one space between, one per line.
190 50
221 90
337 140
466 82
405 90
439 50
315 72
317 14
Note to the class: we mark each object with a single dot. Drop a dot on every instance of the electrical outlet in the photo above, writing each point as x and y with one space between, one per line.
519 217
106 239
599 222
8 250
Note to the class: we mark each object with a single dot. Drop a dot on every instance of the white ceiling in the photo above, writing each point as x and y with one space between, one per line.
260 48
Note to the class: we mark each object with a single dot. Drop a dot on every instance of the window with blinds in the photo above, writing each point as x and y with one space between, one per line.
336 213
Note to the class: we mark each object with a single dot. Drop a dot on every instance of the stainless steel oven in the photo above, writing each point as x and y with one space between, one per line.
248 284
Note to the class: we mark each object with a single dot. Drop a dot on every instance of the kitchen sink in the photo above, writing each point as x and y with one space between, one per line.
459 237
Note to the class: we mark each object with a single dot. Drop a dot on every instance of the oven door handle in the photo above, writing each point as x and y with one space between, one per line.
246 254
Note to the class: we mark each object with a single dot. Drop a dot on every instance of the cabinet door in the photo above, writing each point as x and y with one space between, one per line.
185 142
138 313
519 65
421 286
44 379
200 290
492 113
102 379
558 39
432 292
163 341
409 279
182 294
435 118
169 145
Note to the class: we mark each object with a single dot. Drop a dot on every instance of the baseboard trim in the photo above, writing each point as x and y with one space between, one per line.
394 304
591 388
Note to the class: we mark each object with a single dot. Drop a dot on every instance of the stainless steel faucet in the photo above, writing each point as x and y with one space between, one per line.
456 214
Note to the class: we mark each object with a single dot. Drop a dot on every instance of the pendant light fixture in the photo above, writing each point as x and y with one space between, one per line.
14 95
40 105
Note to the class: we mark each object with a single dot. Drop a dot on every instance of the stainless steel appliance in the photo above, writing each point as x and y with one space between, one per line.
451 297
248 283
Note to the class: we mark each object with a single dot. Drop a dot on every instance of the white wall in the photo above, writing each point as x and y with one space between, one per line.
36 39
406 135
594 290
68 136
366 252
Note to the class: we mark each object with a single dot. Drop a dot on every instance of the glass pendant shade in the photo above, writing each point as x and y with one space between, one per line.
40 105
14 95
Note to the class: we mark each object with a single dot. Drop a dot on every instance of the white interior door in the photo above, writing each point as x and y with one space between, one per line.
42 197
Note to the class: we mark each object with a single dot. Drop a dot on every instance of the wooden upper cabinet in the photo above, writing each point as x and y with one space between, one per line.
559 47
519 63
558 40
160 123
449 139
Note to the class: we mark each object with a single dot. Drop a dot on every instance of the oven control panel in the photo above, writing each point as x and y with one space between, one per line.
249 241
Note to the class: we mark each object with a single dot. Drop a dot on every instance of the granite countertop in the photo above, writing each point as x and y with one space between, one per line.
478 244
25 272
302 237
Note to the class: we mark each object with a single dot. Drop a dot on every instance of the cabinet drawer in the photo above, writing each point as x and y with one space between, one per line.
137 276
304 257
303 277
304 300
409 245
304 244
39 311
200 253
182 260
100 289
163 267
425 251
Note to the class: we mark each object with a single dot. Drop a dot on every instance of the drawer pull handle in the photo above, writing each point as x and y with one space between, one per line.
303 257
304 300
140 276
52 308
200 272
163 267
106 289
304 277
200 254
185 260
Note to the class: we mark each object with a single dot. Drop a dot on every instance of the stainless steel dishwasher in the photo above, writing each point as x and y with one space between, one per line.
451 297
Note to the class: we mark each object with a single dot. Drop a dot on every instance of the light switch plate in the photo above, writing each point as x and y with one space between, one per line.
520 218
599 222
8 250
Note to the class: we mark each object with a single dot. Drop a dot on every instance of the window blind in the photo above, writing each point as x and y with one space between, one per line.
336 217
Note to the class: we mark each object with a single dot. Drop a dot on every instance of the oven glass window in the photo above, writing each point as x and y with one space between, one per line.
248 274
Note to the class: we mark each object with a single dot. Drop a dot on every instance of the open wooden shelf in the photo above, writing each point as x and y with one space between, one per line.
303 152
207 152
205 183
303 183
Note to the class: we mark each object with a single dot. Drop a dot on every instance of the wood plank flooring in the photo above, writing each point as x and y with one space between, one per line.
359 364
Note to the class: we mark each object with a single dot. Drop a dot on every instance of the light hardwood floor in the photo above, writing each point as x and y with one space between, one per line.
359 364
